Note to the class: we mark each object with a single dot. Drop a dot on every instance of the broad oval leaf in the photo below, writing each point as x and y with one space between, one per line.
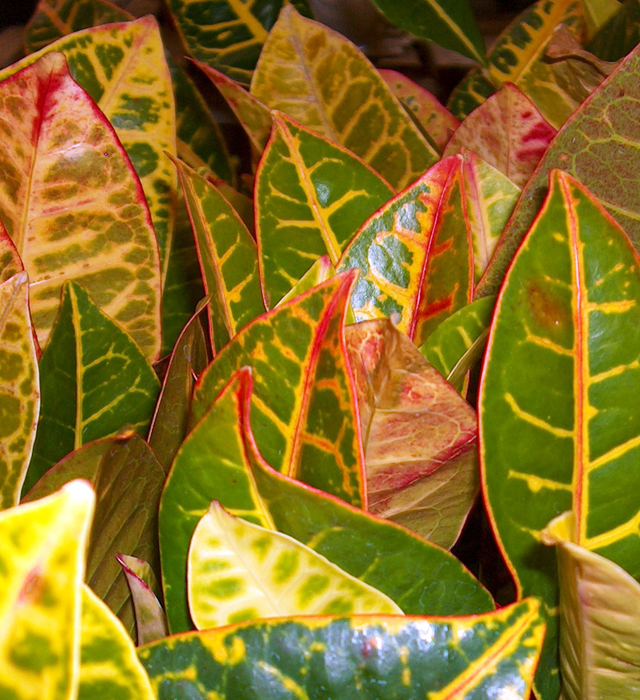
73 205
41 572
239 571
374 656
321 79
311 198
558 423
19 387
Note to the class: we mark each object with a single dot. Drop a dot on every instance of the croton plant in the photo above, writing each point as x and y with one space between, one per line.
248 401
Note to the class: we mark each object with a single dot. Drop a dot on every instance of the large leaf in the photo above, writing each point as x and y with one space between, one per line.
600 620
72 203
508 132
559 429
600 146
19 387
94 379
414 255
228 258
41 571
227 34
109 666
483 656
240 571
316 76
303 405
420 435
311 198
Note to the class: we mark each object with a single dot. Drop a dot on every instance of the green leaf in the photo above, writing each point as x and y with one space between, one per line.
420 448
239 571
414 255
19 387
317 77
599 12
321 271
227 34
559 379
41 571
449 23
74 212
109 666
311 198
303 411
374 656
228 258
94 379
10 262
620 34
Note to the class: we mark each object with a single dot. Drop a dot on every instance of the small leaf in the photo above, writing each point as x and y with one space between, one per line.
317 77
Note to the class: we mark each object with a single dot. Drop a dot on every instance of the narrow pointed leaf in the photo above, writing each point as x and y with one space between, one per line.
600 620
19 388
94 379
311 198
239 571
373 656
319 272
620 34
434 121
228 258
303 406
41 572
508 132
414 255
316 76
559 374
74 212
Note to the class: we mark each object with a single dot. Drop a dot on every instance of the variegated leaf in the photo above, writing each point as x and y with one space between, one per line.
10 262
620 34
319 272
19 387
239 571
316 76
311 198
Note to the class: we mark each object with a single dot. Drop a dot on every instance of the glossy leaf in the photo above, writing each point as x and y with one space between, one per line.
420 449
599 146
434 121
303 410
74 212
560 371
41 571
109 666
228 258
239 571
600 620
319 272
227 34
19 387
94 379
414 255
151 623
10 262
311 198
508 132
620 34
373 656
317 77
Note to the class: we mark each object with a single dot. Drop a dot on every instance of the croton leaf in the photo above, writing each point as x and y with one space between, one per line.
94 379
372 656
558 423
620 34
228 258
311 197
508 132
420 448
319 272
600 620
599 12
10 262
303 407
434 121
240 571
41 572
414 254
72 203
19 387
109 665
322 80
